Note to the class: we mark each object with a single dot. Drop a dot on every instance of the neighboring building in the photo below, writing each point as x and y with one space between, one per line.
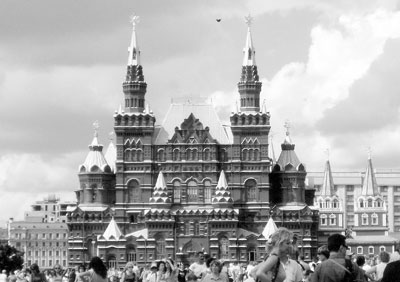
191 184
363 217
3 236
43 243
50 209
43 235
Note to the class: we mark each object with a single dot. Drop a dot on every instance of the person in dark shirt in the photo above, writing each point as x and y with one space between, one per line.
392 272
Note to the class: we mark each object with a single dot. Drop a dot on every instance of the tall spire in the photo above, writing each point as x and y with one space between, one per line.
249 84
134 86
134 52
370 187
327 188
249 58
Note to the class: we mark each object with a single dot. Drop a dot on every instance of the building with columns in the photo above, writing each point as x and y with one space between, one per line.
190 183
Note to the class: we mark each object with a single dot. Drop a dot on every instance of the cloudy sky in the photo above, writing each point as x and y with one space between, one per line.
329 67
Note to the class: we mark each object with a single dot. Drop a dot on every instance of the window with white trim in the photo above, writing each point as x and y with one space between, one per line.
364 219
374 219
359 250
371 250
382 249
332 219
323 219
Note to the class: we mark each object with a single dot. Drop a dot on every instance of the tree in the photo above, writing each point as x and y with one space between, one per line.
10 258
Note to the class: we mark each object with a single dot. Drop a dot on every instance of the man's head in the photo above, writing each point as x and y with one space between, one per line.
200 256
337 243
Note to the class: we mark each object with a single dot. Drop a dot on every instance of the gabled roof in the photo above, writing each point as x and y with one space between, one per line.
112 232
205 113
140 233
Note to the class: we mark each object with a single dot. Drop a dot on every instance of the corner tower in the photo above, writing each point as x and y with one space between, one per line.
134 128
249 122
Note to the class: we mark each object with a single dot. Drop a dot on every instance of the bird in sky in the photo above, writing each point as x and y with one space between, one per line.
218 20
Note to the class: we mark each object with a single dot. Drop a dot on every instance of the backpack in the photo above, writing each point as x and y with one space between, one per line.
350 275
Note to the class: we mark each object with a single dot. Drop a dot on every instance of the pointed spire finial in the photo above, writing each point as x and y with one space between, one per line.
96 126
111 136
369 151
249 20
135 20
133 49
287 126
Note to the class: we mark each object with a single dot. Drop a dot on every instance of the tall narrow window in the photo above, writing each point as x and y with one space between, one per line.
177 192
207 191
224 248
133 191
251 188
192 193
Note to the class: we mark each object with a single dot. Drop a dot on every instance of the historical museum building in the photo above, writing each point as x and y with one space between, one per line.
189 184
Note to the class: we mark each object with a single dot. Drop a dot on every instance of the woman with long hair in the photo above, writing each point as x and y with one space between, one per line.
279 245
97 271
161 273
128 275
36 275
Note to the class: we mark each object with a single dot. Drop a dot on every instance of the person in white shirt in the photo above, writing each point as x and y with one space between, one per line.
199 268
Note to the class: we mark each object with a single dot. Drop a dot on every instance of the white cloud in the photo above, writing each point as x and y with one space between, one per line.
341 53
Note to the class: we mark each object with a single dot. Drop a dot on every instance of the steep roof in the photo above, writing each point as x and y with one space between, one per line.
288 155
204 112
95 158
111 155
269 228
112 231
327 188
370 187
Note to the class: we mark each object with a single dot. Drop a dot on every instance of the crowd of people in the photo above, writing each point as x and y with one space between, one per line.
334 263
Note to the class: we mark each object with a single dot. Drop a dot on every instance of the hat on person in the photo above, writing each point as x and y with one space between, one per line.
349 253
153 264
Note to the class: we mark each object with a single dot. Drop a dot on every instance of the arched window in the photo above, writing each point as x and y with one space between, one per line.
139 155
321 204
192 193
332 219
371 250
251 155
251 188
382 249
370 205
223 248
374 219
361 203
364 219
359 250
160 248
127 155
335 204
245 155
207 191
177 192
176 155
323 219
206 155
133 192
379 203
327 204
194 155
161 155
256 155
